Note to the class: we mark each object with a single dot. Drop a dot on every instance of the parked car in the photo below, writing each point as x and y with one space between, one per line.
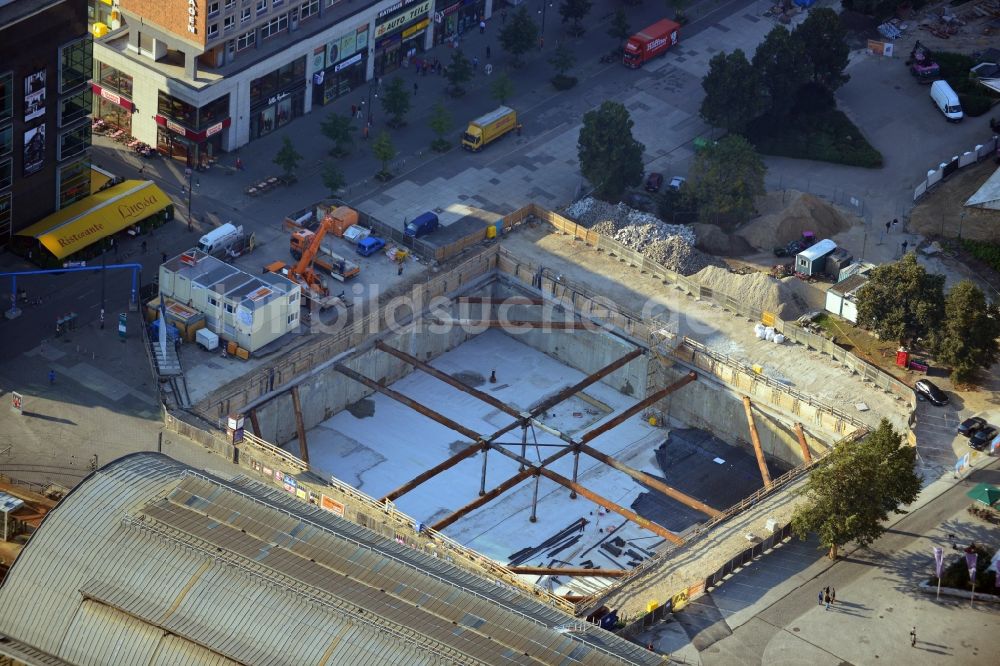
970 425
930 392
677 182
982 437
654 182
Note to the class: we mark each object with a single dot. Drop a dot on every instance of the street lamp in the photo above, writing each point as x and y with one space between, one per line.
189 172
545 4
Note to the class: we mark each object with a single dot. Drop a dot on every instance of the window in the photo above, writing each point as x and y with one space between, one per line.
331 3
274 26
75 107
228 23
245 16
5 217
6 95
74 182
310 8
214 303
230 4
294 297
246 40
76 63
213 7
261 7
292 317
116 80
177 109
229 308
6 140
277 3
213 30
75 141
6 169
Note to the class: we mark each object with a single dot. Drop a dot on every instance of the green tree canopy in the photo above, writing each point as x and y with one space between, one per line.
901 301
338 128
441 123
619 28
562 59
725 179
396 101
287 158
384 151
333 178
782 66
519 35
459 71
823 39
502 88
853 490
734 95
966 341
575 11
610 158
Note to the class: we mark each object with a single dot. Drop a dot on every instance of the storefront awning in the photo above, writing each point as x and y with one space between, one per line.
98 216
99 178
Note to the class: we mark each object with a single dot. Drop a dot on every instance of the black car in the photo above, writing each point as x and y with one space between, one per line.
982 437
971 425
932 393
654 182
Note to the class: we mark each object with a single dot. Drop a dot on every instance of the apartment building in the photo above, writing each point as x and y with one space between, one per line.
45 65
199 77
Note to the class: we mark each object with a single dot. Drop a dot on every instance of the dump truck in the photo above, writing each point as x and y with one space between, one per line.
484 130
341 218
339 268
650 42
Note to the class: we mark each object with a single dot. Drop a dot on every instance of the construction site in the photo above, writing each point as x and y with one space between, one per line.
508 416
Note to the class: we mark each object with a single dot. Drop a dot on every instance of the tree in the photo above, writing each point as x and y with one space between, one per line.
459 71
441 123
562 60
575 11
287 158
725 179
333 178
901 301
619 28
855 488
734 95
824 41
396 101
610 158
384 151
338 128
967 338
502 88
519 35
782 66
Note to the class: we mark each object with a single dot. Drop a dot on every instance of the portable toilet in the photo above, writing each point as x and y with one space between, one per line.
812 260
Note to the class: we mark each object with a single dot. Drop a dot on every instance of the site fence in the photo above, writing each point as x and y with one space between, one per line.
969 157
783 183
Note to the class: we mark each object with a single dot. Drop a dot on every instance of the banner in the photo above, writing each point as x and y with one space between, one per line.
994 445
962 464
938 560
970 561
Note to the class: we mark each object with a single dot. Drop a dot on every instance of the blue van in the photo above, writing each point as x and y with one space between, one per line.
422 225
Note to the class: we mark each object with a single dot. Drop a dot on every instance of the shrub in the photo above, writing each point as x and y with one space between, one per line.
984 251
975 105
563 82
956 574
828 136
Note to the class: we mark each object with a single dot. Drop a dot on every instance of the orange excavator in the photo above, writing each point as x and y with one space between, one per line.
304 273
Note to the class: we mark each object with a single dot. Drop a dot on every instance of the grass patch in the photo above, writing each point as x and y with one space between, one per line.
984 251
825 136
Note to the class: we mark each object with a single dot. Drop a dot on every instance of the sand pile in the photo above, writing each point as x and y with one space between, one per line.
785 215
714 240
759 291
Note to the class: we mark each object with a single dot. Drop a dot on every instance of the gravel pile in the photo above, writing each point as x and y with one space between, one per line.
757 290
671 245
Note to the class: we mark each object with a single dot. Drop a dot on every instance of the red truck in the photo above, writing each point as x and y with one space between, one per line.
650 42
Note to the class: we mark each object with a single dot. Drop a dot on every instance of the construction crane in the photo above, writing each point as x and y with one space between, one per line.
304 274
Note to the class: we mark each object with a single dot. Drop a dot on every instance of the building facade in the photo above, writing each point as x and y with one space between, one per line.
45 103
199 77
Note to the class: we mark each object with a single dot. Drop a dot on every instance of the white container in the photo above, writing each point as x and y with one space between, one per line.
758 330
207 339
778 338
769 333
354 233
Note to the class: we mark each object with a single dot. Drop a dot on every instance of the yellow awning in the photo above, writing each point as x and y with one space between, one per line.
98 178
99 215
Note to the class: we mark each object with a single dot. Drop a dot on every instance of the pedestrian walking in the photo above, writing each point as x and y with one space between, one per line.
144 247
239 164
414 88
488 52
354 110
913 637
819 598
52 377
541 43
826 598
888 226
400 270
904 246
833 595
364 132
475 63
482 27
895 223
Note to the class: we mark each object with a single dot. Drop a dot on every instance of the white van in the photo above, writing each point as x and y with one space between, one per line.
946 101
220 239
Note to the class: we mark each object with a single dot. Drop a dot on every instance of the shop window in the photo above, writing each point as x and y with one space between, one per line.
74 182
274 27
6 173
310 8
213 30
74 141
76 63
75 107
6 140
261 7
228 23
6 95
176 109
246 15
213 8
114 79
246 40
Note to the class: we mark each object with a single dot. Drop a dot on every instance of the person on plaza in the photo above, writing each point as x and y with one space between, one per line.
904 246
52 377
414 88
888 226
833 595
819 598
482 27
826 598
354 110
488 52
475 63
895 223
144 247
913 637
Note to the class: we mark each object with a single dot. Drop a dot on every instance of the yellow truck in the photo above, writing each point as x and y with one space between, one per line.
486 129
